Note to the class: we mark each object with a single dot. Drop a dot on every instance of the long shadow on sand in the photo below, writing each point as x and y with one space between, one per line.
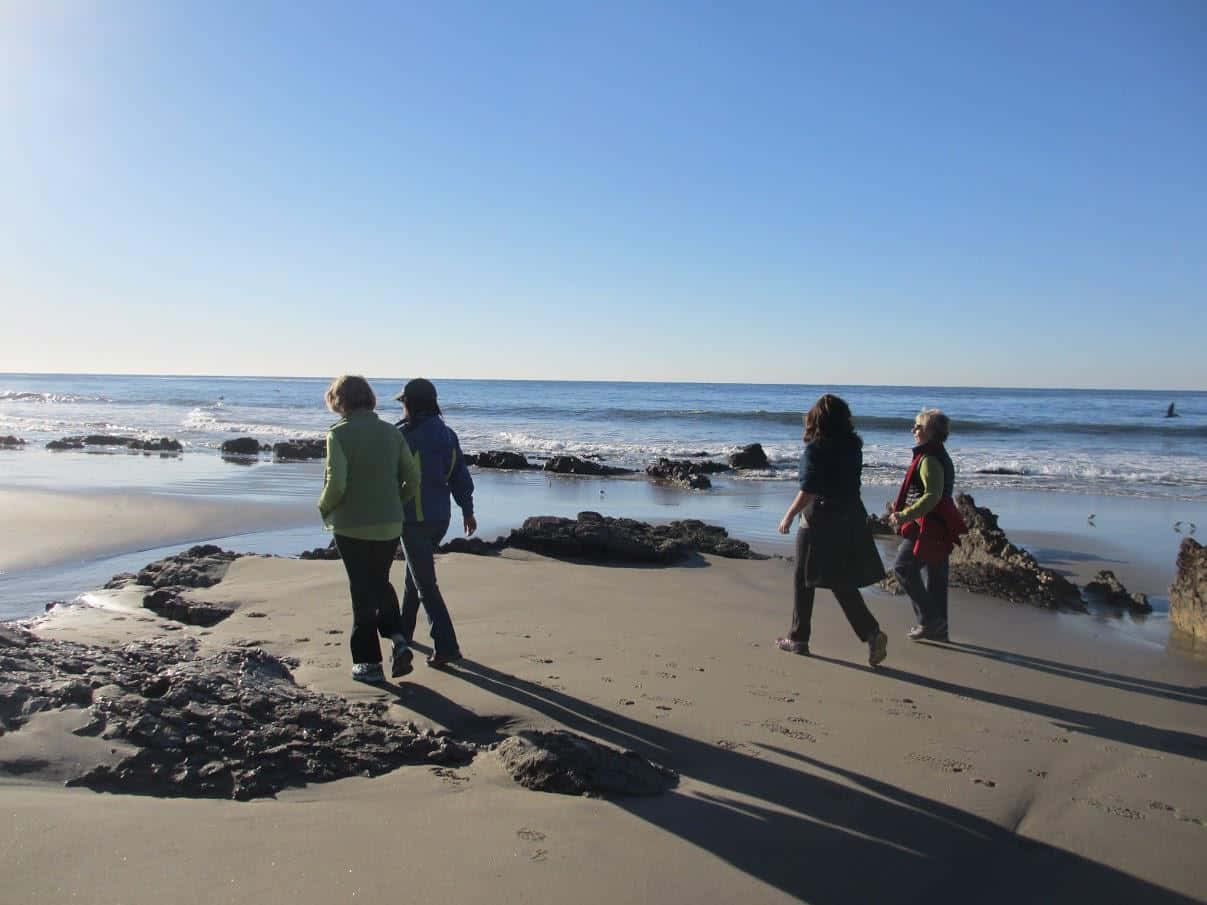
1183 694
1169 741
830 840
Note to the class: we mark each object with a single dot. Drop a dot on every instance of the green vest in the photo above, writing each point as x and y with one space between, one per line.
367 467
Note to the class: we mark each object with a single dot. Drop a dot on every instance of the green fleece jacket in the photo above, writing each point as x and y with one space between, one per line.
370 472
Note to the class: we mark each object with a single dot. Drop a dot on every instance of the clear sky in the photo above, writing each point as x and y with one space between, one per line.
903 193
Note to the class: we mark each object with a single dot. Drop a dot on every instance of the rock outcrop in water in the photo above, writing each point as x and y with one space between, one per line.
11 442
299 450
500 459
161 445
562 762
683 472
230 725
575 465
168 603
243 446
752 456
1106 589
1188 594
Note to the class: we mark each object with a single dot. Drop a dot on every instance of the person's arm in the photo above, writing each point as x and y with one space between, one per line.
408 473
932 490
461 485
335 478
803 499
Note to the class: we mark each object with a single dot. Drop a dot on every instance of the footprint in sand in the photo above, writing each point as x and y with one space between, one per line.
335 631
662 707
986 782
541 854
1039 774
300 640
255 614
605 678
667 675
943 764
530 835
779 728
1115 810
739 747
625 702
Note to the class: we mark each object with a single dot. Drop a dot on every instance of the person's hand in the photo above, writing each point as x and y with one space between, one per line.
471 525
786 524
894 520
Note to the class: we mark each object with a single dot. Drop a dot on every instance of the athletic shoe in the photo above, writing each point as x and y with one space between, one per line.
792 647
439 660
400 662
921 633
877 649
368 672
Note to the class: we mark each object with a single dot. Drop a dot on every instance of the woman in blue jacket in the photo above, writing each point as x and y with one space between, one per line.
426 515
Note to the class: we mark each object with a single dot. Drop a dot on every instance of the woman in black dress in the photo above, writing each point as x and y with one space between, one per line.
834 546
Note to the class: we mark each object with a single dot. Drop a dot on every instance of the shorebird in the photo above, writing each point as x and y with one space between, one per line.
1177 526
1090 519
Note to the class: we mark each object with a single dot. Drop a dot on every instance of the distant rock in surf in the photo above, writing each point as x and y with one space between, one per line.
11 442
575 465
65 443
163 444
297 450
243 446
686 473
751 456
500 459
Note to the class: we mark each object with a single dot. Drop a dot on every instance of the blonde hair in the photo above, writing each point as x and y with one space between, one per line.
934 424
348 393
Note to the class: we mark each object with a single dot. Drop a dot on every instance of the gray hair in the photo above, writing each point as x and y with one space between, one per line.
934 424
348 393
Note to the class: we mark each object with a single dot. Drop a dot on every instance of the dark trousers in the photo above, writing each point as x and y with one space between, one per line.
374 603
419 541
929 600
851 601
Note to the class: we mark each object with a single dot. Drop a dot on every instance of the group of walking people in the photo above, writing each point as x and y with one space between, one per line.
834 544
390 484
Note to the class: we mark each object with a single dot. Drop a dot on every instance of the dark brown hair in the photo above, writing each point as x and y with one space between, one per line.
830 419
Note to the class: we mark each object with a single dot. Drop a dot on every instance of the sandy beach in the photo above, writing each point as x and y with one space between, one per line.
1029 760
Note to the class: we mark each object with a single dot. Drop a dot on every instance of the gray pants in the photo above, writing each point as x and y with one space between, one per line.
419 542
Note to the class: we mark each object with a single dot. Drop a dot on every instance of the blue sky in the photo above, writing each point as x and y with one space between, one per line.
928 193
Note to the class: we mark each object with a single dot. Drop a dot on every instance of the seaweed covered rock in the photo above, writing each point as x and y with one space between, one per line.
230 725
1188 594
985 561
569 764
200 566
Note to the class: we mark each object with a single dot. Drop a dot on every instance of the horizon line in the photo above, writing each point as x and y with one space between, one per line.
937 386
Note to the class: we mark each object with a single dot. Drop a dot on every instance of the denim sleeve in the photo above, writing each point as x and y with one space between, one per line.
811 469
461 483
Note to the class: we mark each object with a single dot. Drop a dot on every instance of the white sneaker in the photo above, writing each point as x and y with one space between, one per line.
368 672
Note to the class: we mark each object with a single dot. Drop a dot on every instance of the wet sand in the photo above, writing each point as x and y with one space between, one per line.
1028 761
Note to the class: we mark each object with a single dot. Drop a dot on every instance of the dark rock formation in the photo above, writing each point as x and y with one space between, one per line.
688 474
593 537
167 603
569 764
231 725
500 459
1107 589
474 545
300 449
120 580
11 442
241 446
879 524
66 443
198 567
751 456
327 552
985 561
1188 594
163 444
575 465
106 440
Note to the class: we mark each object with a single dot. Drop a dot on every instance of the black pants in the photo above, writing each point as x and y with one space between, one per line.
851 601
374 603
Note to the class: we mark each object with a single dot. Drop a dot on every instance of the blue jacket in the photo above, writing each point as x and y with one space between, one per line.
442 470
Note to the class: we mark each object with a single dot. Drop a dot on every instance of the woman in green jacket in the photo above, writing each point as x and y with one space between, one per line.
370 472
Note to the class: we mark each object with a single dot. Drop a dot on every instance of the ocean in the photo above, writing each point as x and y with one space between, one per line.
1110 442
1045 460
